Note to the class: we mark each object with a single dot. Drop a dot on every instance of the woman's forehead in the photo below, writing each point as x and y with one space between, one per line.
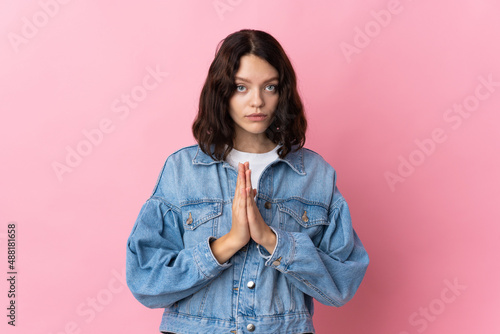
255 69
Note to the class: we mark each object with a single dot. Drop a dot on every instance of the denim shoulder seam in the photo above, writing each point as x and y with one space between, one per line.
165 202
336 205
165 165
319 156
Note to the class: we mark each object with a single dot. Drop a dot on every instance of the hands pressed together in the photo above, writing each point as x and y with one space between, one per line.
247 222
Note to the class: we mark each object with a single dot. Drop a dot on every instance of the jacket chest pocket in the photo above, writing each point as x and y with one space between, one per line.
300 216
200 221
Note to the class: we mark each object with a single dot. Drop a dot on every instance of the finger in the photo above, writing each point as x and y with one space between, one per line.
250 201
253 192
238 178
242 205
242 201
239 200
251 207
240 183
248 176
243 178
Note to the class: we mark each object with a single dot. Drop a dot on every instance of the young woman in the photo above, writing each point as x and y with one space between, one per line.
244 229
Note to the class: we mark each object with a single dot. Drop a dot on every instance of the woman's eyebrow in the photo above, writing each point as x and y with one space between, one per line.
246 80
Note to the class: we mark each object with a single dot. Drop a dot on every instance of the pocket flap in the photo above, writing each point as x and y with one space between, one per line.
305 214
194 215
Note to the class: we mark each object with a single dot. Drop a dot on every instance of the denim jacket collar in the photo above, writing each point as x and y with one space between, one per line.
294 159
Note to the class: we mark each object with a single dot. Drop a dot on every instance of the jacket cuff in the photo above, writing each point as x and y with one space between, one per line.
283 251
206 261
263 251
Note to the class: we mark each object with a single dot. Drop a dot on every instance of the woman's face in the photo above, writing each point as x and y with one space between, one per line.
253 104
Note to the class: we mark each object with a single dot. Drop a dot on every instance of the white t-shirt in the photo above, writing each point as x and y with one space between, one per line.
257 162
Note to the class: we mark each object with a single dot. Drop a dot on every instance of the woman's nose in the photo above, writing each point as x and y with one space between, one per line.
257 100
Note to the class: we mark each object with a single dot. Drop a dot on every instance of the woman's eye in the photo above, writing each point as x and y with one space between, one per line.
271 88
240 88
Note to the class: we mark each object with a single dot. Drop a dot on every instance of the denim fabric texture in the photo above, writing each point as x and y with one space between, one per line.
318 254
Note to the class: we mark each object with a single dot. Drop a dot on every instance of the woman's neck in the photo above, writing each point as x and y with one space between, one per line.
253 144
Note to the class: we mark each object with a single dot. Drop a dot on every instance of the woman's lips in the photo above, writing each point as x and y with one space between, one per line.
256 117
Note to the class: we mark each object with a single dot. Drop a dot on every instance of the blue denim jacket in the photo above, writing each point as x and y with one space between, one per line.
318 254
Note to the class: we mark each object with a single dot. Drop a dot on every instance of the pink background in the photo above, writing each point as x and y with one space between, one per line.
380 80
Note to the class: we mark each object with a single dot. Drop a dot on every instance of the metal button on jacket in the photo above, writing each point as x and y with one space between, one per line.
250 327
189 221
277 262
305 219
251 284
267 205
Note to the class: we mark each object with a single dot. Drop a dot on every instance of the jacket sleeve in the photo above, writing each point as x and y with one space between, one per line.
160 271
331 272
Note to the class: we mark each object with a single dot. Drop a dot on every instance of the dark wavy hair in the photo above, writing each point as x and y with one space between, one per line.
213 127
